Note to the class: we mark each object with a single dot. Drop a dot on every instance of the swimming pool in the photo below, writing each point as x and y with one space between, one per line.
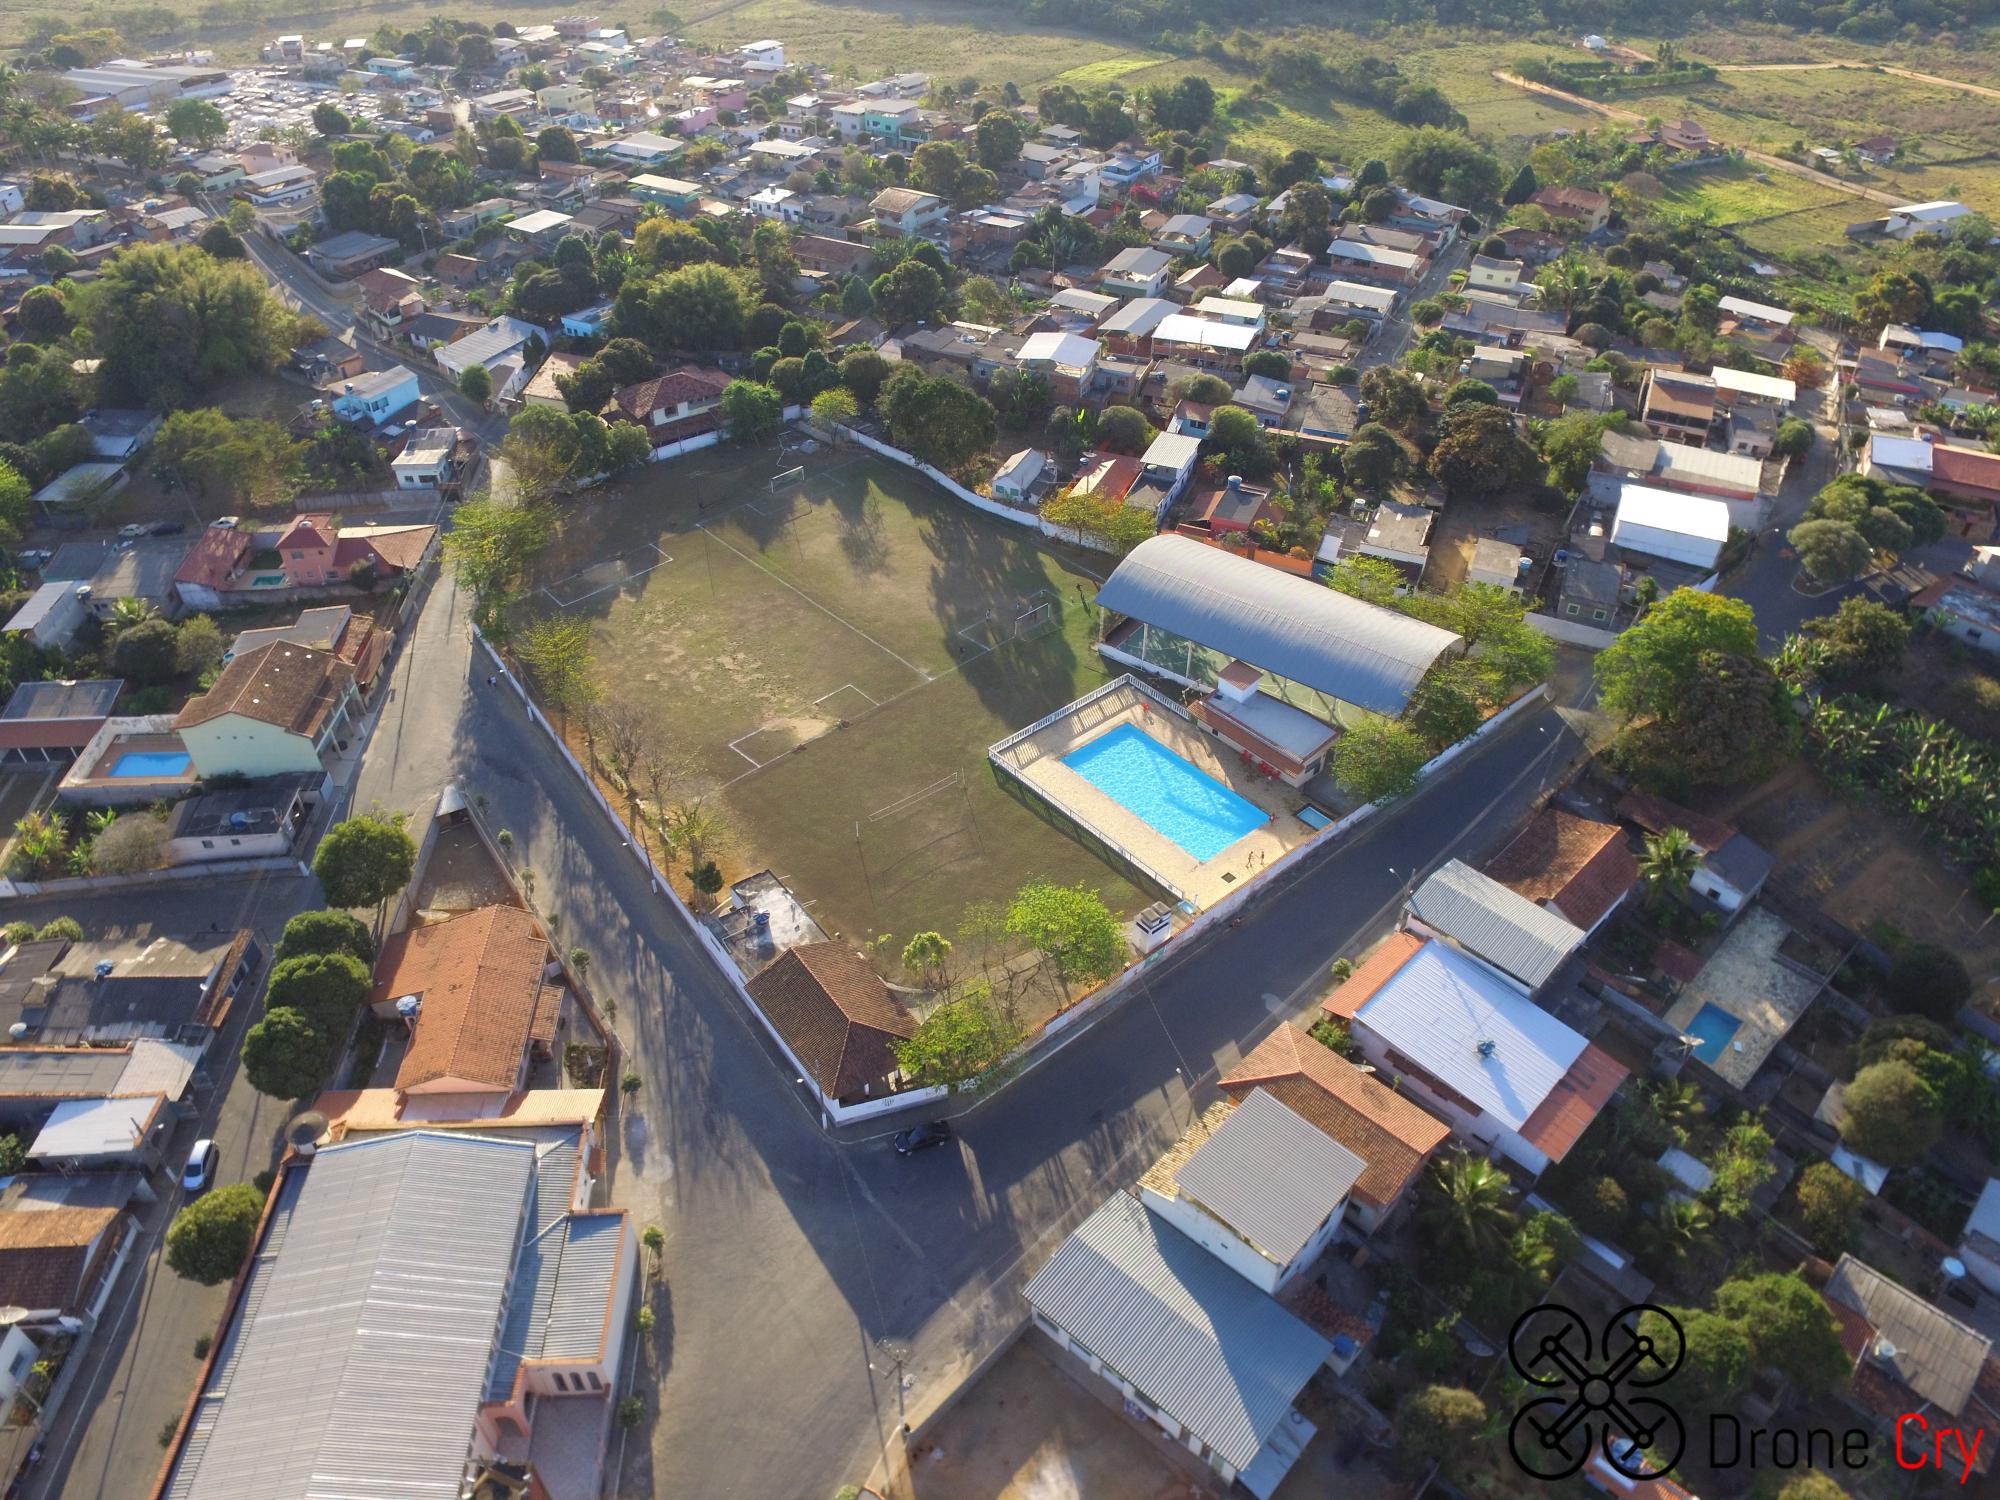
1174 798
1715 1026
151 763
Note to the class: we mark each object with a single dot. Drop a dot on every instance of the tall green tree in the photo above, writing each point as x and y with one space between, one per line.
1071 927
1653 663
365 860
284 1056
209 1239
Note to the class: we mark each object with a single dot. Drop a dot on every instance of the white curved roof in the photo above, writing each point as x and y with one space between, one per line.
1346 648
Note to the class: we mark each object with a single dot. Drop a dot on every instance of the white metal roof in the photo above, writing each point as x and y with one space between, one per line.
1912 454
1441 1008
1171 450
1380 298
1736 470
1373 255
1667 524
540 221
96 1127
1140 316
1761 312
1066 350
1206 1346
1749 383
1486 918
1346 648
1231 309
1270 1175
1205 333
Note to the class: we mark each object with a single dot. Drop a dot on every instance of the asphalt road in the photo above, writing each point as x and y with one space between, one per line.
803 1273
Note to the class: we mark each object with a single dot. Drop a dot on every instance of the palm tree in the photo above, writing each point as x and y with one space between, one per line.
1685 1223
1677 1106
1668 865
1465 1207
127 612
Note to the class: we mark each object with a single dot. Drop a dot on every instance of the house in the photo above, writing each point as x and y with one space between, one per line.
142 569
1068 361
345 256
902 212
1494 275
1325 414
429 460
1192 1346
118 992
1164 471
1502 1072
684 402
376 397
1129 329
59 1265
1523 943
1498 564
1979 1242
837 1019
258 820
1184 235
272 712
506 346
1391 1135
505 1365
588 323
1344 301
674 194
49 722
1677 406
457 270
1400 534
1917 1369
1591 591
476 994
1016 478
82 484
1733 867
1202 342
1138 272
1590 210
645 149
1965 611
1234 507
278 186
833 257
781 205
546 388
1576 867
1266 399
1375 263
1678 528
1216 1187
1124 167
119 433
51 616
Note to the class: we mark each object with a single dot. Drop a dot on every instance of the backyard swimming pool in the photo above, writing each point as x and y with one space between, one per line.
150 764
1176 799
1715 1026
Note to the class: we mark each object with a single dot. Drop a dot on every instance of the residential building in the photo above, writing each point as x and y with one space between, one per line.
1164 471
49 722
1184 235
1967 612
119 992
1375 263
1733 867
1576 867
272 712
502 1373
1191 1346
1498 564
903 212
1391 1135
1138 272
59 1265
1068 361
279 185
1588 209
507 347
51 616
684 402
1016 477
674 194
346 256
120 433
1756 317
1685 529
588 322
475 991
1494 275
837 1018
262 819
1523 943
1202 342
141 569
1677 406
376 397
430 459
1503 1073
1400 534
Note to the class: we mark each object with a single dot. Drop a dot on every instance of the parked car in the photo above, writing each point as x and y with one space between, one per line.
200 1169
133 531
922 1137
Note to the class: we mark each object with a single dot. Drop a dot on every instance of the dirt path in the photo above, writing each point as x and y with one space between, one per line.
1762 159
1863 67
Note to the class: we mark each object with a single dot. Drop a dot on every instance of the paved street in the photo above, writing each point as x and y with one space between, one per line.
141 1364
791 1258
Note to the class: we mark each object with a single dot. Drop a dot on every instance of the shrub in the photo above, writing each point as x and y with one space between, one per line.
1929 980
1828 1201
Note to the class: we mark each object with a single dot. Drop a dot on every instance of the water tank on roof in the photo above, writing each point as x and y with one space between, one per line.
103 970
239 820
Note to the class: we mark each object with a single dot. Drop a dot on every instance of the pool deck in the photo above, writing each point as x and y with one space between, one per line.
1746 978
1037 759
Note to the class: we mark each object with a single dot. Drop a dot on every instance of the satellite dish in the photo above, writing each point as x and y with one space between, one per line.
10 1315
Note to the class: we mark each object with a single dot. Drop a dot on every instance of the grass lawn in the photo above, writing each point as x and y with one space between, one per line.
820 656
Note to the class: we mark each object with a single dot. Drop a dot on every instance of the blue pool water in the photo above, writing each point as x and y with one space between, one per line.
151 763
1715 1026
1177 799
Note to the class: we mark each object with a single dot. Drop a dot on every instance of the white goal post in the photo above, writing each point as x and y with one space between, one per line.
787 478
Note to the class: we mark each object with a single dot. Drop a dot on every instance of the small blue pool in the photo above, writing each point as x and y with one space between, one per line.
1715 1026
151 764
1177 799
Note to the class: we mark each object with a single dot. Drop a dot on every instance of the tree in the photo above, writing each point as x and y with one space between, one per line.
1439 1422
1481 453
556 652
997 139
132 844
329 119
492 546
626 447
365 860
698 307
1891 296
1651 665
1790 1326
1237 436
928 955
863 372
1891 1114
1071 927
132 138
1462 1208
1929 980
325 932
1522 188
1395 398
752 411
965 1037
250 460
1373 457
1831 551
910 293
219 241
210 1238
1187 105
1446 163
1829 1201
835 408
1378 759
147 653
284 1056
1716 1354
1570 445
555 143
1793 438
1860 643
1470 390
1668 865
1375 579
937 420
1124 429
325 988
42 315
475 383
14 497
196 123
1732 722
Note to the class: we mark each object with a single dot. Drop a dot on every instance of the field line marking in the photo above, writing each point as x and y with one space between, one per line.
819 606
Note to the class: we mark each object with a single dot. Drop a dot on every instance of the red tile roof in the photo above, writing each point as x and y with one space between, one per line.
292 687
308 533
836 1014
213 557
1657 815
666 392
1966 468
1371 974
1384 1128
1109 478
480 979
45 1254
1581 865
1563 1116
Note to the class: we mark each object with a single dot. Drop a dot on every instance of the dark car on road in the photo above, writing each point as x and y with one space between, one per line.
922 1137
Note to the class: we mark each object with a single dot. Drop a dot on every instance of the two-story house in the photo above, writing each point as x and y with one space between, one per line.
901 212
1184 235
684 402
274 711
376 396
1137 272
1494 275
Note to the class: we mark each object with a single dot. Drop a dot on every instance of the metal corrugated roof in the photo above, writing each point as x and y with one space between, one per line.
1346 648
1270 1175
1482 916
1440 1007
362 1363
1200 1342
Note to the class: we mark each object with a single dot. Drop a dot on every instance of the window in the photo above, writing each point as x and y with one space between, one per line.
1570 609
23 1362
208 843
1597 614
561 1380
595 1383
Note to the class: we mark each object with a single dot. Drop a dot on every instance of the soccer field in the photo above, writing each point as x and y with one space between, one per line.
831 658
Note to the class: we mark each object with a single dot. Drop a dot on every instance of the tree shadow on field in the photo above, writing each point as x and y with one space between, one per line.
862 541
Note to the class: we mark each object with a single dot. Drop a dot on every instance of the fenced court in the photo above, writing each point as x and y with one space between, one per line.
831 646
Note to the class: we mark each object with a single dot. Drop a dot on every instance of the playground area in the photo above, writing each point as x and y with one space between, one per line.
825 646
